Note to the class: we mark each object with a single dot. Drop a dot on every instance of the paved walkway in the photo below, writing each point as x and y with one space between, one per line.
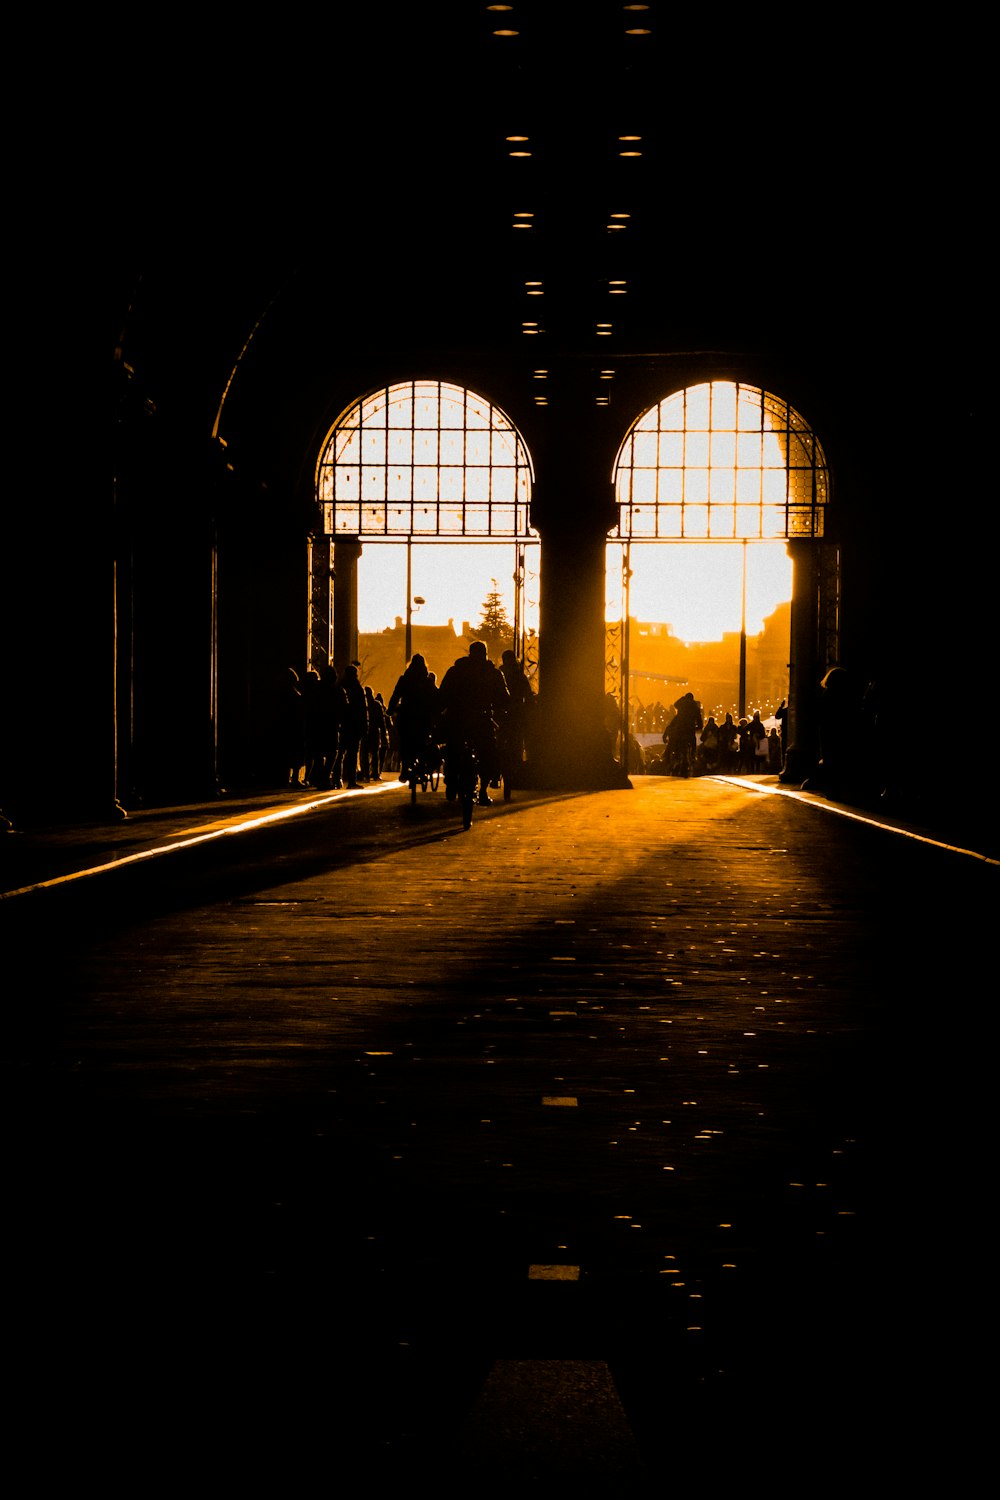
49 853
606 1143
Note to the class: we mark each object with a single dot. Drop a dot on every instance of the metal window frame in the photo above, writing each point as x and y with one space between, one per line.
394 517
691 519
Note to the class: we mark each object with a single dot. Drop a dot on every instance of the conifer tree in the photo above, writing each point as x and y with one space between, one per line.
494 626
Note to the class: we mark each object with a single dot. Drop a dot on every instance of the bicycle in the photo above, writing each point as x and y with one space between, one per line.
425 770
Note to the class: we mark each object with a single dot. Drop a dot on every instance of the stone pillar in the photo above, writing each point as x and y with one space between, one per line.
802 749
345 601
574 748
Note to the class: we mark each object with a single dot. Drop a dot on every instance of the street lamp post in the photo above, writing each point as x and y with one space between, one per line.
743 638
413 601
408 649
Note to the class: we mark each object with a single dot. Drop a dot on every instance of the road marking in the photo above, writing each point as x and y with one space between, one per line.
207 834
811 800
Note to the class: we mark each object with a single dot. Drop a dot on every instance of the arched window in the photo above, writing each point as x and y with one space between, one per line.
424 459
720 460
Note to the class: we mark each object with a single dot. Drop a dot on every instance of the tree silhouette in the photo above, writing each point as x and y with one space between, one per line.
494 627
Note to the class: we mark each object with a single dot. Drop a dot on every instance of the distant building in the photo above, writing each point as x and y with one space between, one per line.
661 666
383 653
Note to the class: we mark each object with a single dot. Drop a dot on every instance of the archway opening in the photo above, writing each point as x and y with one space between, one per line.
711 484
425 490
436 597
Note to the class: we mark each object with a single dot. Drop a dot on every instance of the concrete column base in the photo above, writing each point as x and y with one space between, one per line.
588 768
798 765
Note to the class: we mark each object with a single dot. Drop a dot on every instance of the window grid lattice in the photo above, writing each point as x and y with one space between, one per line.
721 461
425 458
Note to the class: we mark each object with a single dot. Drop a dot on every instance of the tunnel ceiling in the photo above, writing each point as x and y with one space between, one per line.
296 201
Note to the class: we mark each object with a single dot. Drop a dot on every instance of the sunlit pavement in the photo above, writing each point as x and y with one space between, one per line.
612 1139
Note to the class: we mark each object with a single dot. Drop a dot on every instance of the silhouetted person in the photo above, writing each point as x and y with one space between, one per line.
757 735
681 734
355 725
384 737
781 715
516 727
729 744
838 772
310 690
472 703
292 728
744 747
332 705
375 740
412 705
710 744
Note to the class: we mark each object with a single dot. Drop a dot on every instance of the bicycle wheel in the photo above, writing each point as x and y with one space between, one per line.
468 777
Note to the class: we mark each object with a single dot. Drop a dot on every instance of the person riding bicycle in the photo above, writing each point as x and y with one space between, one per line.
472 702
413 706
681 735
